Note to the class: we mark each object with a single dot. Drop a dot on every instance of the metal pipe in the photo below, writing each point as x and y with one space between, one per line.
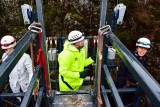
113 88
65 37
41 20
39 99
12 94
72 92
28 94
105 97
121 90
103 13
48 81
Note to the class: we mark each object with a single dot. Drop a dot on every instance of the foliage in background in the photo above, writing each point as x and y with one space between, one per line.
142 19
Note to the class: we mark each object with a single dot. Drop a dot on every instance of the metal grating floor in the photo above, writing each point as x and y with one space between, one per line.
79 100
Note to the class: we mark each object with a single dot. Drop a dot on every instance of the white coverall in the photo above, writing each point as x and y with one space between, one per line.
21 74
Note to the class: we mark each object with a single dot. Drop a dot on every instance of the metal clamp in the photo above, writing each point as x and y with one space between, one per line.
105 29
34 29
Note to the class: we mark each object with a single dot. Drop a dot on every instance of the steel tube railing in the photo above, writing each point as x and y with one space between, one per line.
113 88
28 94
39 99
105 97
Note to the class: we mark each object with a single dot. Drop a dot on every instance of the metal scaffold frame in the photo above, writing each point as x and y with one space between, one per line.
102 75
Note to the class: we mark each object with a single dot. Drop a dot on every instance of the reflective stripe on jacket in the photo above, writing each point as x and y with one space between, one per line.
71 62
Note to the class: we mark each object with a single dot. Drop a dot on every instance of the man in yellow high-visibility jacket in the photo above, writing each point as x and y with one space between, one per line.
72 62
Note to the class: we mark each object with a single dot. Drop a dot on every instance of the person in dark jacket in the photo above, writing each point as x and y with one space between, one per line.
124 77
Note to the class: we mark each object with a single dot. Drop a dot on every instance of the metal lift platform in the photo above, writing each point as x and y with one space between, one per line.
72 99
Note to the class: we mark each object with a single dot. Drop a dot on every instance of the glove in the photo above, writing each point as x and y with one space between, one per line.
93 56
83 74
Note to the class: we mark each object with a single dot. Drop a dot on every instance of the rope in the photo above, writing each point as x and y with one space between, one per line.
42 61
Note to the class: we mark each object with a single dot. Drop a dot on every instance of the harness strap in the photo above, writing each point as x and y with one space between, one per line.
66 83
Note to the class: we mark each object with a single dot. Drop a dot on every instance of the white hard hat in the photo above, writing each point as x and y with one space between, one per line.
75 36
8 42
143 42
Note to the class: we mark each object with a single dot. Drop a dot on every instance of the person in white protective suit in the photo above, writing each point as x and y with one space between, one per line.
21 75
